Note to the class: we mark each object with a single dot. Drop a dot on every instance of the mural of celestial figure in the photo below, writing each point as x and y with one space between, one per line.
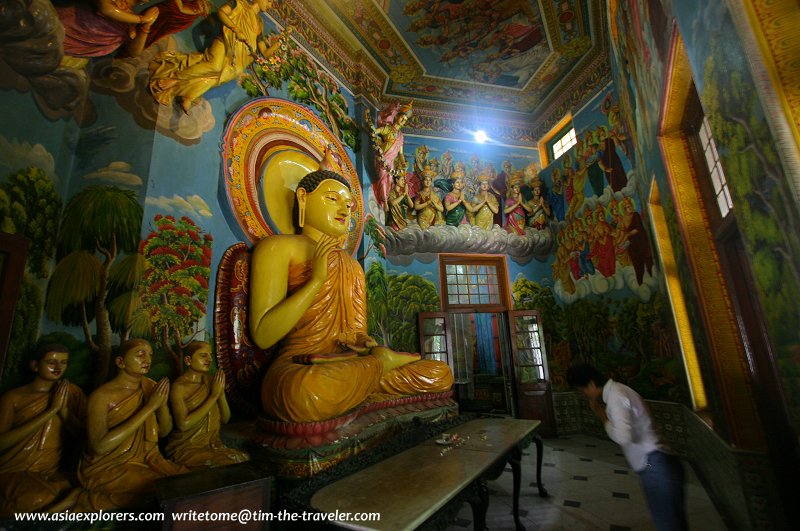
421 160
539 208
581 265
185 77
447 165
175 16
484 206
577 184
427 203
636 241
561 269
612 163
399 204
601 242
101 27
308 297
35 420
199 408
387 139
499 183
126 416
595 169
455 203
555 196
516 209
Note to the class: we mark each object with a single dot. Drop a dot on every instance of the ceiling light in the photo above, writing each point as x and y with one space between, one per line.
480 136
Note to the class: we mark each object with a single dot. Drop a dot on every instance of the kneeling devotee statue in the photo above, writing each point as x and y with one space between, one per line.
199 407
308 296
126 417
35 420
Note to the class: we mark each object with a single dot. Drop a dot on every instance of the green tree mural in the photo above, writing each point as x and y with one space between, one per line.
377 303
377 237
30 205
589 328
26 325
175 282
308 84
99 224
393 304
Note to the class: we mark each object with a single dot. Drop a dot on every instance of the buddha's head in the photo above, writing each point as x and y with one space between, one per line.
323 203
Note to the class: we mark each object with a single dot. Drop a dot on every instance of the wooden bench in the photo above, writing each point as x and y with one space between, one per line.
409 488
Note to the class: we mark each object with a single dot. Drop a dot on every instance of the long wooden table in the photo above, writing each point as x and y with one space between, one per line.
409 487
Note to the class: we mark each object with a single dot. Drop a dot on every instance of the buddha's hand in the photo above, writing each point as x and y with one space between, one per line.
319 262
362 346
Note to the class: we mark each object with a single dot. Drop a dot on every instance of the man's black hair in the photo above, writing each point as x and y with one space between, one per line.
580 374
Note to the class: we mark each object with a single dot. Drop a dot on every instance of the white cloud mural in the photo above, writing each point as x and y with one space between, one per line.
193 206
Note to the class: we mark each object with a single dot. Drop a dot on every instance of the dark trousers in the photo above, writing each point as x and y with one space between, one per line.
663 484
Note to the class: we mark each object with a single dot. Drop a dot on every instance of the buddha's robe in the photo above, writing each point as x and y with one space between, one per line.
29 475
303 393
125 476
200 446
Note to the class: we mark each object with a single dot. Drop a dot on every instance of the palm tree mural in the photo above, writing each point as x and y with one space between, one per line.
99 225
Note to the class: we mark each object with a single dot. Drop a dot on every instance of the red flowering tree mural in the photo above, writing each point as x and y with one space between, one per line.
175 282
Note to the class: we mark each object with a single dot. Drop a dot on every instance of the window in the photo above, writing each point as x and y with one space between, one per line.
563 143
716 174
470 283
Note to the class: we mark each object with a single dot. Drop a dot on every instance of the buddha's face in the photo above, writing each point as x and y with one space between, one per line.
51 366
137 359
328 208
200 360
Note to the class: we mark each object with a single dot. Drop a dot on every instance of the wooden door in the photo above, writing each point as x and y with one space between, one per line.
531 378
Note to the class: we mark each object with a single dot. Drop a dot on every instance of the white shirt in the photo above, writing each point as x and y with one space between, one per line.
630 424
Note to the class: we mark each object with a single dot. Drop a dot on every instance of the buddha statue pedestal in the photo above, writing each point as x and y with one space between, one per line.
301 450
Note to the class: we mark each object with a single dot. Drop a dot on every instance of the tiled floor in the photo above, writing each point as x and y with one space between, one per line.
590 486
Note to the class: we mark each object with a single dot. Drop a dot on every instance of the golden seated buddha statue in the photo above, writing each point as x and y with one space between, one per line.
308 299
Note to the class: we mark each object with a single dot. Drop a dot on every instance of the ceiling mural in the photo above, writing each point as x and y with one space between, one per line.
509 54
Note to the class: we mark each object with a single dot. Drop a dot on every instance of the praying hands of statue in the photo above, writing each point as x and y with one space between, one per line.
160 395
218 384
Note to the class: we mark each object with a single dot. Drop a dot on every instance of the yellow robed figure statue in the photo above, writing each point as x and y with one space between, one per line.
308 299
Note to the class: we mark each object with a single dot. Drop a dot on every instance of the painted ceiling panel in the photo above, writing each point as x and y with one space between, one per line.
508 54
